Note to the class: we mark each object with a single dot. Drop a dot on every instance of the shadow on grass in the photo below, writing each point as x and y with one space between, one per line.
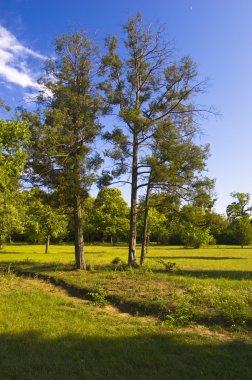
145 306
197 257
30 356
217 274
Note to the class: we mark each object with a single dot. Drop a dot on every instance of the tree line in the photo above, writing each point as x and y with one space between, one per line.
34 217
152 103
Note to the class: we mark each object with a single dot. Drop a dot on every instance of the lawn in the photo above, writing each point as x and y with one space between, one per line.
191 322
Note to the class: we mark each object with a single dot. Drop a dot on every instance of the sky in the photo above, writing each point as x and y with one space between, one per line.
216 34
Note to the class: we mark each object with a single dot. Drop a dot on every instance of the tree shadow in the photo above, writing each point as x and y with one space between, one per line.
123 302
30 356
227 274
197 257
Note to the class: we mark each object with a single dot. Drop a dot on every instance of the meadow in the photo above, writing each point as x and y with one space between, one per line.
187 314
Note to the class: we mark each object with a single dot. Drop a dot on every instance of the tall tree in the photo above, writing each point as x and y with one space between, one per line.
64 129
149 91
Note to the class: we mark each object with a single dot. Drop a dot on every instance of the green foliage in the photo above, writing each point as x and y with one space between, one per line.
238 213
242 230
190 225
196 237
218 226
42 220
14 140
11 213
169 267
118 264
157 224
154 142
99 297
179 317
240 207
110 215
62 157
62 154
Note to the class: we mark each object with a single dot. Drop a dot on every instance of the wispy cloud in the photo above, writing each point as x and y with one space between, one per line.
14 61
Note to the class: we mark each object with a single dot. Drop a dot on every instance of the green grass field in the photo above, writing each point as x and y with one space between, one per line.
189 322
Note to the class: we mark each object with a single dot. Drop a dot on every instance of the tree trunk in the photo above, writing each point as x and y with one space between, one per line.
145 236
47 243
133 208
78 235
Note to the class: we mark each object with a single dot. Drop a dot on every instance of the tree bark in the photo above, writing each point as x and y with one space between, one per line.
47 243
145 236
133 208
78 235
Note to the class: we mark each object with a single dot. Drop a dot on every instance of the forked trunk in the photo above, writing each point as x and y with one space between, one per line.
47 243
145 237
133 208
78 235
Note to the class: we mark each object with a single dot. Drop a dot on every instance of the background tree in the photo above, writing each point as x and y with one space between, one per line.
240 207
218 226
62 156
43 221
157 225
238 213
150 91
90 230
14 140
111 215
191 225
176 168
11 212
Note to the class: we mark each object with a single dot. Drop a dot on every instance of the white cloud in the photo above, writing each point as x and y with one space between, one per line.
14 61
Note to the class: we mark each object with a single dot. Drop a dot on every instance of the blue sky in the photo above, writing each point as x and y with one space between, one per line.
216 34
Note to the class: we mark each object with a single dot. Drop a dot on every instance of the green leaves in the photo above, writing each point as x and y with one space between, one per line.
110 214
238 213
239 208
14 140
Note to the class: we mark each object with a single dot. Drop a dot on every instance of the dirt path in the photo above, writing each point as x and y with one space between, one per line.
61 292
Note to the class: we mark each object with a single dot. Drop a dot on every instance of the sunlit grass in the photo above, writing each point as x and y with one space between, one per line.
47 335
215 283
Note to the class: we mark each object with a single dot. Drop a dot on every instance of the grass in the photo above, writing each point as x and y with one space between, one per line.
211 286
202 310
